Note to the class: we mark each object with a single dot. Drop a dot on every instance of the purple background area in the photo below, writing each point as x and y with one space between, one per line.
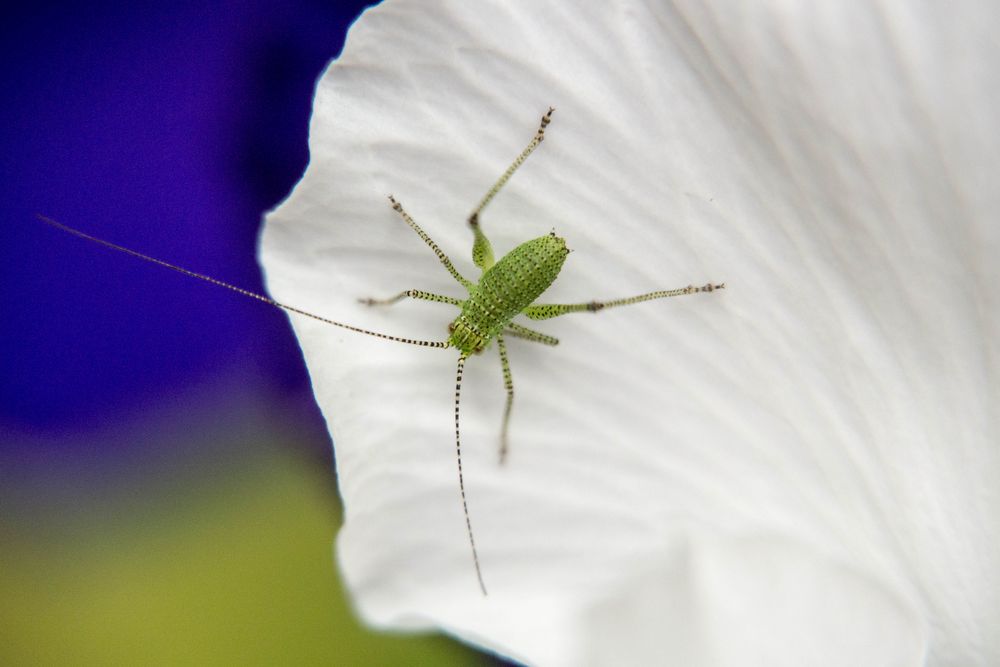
169 129
148 418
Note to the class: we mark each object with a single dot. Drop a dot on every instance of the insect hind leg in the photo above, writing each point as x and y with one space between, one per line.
544 311
482 251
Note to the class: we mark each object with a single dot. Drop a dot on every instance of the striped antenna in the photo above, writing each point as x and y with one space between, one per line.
239 290
461 480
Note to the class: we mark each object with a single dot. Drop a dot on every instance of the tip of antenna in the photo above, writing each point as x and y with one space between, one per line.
54 223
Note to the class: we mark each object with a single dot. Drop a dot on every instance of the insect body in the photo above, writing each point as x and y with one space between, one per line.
506 288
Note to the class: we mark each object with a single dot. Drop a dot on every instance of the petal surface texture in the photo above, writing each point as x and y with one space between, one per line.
797 470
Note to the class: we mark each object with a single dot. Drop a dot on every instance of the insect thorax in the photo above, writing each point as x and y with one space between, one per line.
505 289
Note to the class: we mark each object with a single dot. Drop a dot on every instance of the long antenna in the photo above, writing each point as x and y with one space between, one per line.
239 290
461 482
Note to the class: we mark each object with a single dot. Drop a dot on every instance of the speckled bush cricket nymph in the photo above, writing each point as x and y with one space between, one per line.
506 288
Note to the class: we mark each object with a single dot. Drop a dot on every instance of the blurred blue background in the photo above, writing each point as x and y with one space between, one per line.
167 493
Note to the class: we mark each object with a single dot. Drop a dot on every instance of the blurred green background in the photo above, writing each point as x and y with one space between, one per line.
215 549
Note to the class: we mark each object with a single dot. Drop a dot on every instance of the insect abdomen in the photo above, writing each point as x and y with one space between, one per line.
507 288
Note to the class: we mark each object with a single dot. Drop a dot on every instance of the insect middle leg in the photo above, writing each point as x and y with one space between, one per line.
482 251
413 294
396 206
508 384
544 311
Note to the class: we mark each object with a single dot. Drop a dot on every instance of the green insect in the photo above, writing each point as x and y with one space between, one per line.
506 288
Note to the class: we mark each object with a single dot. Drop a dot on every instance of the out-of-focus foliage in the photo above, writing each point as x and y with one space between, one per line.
234 573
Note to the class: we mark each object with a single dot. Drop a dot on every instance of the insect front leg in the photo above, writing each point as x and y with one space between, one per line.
482 250
518 331
544 311
412 294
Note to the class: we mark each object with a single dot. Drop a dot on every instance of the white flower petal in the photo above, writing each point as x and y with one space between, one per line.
792 471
